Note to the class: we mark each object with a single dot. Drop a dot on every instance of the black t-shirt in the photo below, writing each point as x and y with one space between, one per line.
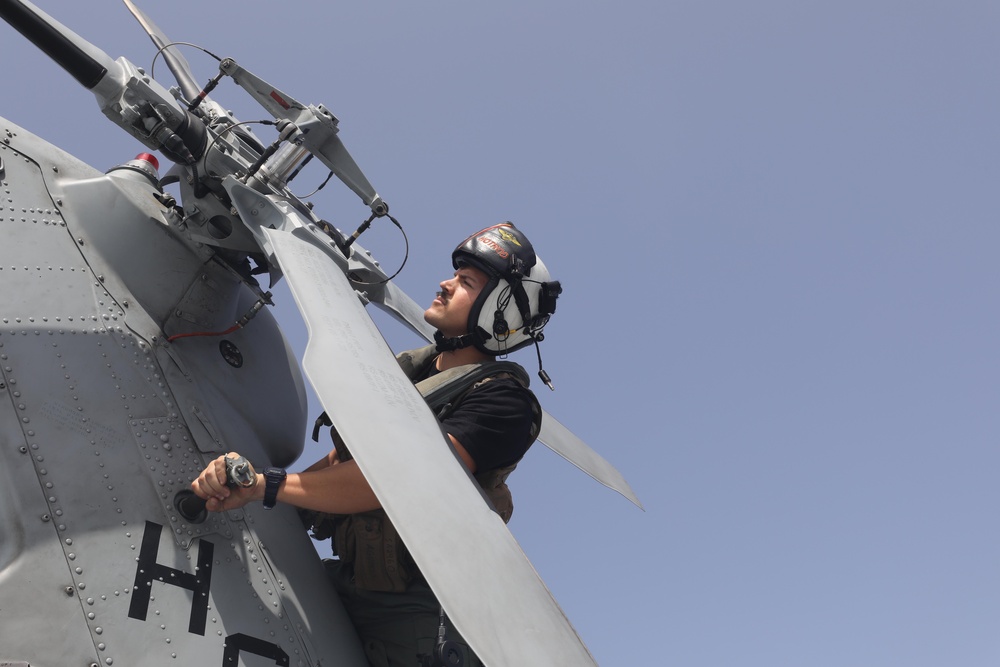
493 423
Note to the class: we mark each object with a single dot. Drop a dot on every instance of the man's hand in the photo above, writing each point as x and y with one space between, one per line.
212 485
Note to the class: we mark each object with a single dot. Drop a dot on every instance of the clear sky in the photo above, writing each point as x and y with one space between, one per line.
776 226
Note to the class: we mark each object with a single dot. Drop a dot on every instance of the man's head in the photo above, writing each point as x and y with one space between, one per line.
500 288
449 312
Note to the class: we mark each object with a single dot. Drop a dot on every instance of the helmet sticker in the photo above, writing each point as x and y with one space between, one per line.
494 246
507 236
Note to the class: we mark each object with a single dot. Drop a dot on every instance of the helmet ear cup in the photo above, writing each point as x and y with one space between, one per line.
500 326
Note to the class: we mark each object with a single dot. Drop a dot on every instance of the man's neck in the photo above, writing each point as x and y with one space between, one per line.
453 358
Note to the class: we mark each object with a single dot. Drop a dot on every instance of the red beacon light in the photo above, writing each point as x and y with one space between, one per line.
145 164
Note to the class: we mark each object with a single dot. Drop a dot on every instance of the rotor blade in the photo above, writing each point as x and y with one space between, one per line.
563 442
175 61
471 561
94 69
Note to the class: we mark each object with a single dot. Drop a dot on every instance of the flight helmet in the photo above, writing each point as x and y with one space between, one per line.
515 304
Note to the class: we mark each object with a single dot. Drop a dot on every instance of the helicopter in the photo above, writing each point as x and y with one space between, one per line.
132 331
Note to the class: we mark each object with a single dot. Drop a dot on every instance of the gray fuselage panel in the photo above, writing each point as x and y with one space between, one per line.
103 421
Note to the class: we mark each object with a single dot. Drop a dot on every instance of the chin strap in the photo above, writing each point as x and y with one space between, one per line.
457 343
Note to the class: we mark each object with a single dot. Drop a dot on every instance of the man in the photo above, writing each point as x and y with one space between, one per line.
498 300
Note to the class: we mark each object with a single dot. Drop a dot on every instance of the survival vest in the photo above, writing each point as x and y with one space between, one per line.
368 539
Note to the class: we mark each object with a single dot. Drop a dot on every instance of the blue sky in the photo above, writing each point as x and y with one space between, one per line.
776 226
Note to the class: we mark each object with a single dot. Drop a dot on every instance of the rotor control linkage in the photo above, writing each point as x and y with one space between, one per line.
345 248
317 128
209 87
287 131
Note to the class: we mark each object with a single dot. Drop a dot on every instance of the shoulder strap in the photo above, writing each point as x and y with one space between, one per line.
447 388
443 388
415 362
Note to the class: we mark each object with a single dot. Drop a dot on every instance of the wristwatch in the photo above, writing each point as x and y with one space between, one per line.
273 477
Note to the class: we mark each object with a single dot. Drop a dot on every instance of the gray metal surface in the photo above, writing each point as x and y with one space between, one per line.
102 421
566 444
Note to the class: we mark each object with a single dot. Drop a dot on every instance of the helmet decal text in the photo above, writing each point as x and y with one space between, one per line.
494 246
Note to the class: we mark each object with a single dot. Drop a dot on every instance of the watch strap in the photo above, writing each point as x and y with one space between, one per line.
273 477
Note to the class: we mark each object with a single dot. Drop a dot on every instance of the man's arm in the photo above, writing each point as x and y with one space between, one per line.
336 489
330 459
463 454
326 486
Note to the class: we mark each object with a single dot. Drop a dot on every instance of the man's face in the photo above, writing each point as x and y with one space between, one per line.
449 312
